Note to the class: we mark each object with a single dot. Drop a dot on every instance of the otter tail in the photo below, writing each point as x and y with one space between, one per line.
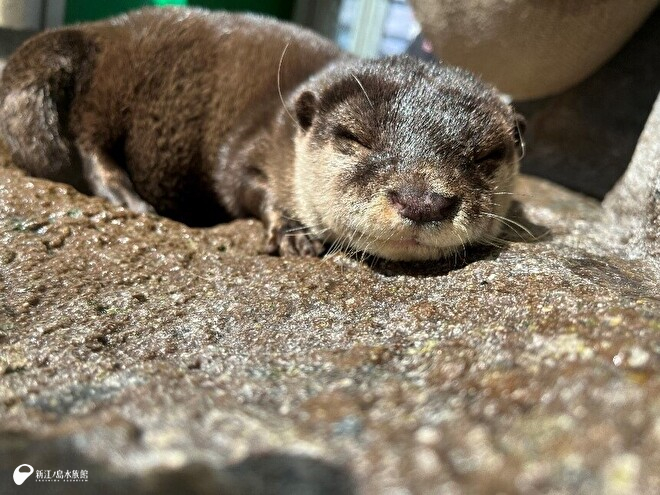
36 90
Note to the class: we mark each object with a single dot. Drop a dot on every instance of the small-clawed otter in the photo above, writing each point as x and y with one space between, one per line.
201 115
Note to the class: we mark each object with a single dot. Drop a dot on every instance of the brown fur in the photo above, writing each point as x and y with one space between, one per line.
179 111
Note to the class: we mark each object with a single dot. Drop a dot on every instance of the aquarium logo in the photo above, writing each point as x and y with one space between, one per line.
24 471
21 476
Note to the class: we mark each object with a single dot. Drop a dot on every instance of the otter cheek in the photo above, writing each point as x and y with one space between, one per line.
332 206
381 216
307 182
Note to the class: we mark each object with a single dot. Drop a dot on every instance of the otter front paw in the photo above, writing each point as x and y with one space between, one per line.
290 238
139 206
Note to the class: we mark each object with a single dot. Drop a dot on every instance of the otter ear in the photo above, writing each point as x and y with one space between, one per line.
520 124
306 109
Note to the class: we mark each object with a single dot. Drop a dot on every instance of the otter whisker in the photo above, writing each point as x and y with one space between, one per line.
363 90
508 222
279 85
523 146
493 203
491 240
467 235
510 227
454 250
311 228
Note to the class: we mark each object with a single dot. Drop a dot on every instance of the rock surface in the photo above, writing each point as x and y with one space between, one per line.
165 359
635 202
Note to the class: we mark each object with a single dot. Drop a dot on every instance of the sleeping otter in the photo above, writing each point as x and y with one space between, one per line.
205 116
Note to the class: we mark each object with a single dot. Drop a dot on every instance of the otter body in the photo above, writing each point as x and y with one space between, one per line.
206 116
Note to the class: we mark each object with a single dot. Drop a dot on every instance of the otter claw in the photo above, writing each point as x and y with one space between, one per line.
286 239
139 206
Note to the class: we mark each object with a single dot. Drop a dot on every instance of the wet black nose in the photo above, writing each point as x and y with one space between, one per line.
423 206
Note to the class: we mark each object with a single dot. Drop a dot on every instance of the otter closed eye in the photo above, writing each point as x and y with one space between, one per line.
493 155
393 157
345 134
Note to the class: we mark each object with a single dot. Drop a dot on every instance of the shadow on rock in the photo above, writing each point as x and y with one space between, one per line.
519 228
290 474
264 474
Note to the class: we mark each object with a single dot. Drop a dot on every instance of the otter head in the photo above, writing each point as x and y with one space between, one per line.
402 159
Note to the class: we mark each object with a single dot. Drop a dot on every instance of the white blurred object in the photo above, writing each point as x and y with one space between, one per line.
375 27
31 14
399 30
21 14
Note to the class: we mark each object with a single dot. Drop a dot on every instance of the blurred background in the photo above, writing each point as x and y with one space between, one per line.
585 73
365 27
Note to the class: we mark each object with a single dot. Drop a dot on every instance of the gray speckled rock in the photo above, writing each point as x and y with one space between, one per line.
164 359
635 201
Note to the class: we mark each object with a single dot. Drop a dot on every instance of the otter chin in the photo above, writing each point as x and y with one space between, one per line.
206 116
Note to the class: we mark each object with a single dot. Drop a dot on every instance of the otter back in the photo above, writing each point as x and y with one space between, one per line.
38 85
138 106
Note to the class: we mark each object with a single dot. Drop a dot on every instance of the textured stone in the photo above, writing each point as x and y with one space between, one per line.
635 201
164 359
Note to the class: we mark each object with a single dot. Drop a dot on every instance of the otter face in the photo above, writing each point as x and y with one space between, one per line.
404 160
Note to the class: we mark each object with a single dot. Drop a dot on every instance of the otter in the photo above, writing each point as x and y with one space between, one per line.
206 116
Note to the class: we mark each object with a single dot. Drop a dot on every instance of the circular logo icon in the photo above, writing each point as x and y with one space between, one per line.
21 475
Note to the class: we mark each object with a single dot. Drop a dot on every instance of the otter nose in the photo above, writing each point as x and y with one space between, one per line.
423 206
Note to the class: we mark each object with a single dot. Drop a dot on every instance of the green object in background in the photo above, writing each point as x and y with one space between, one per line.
278 8
90 10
